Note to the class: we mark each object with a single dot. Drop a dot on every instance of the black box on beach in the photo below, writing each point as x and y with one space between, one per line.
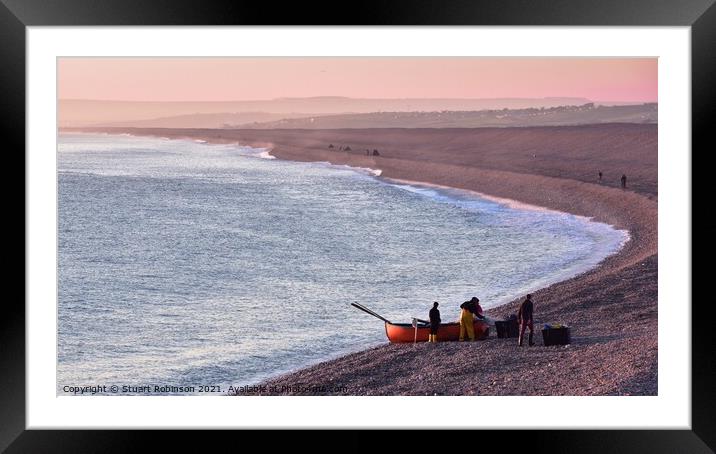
507 328
556 336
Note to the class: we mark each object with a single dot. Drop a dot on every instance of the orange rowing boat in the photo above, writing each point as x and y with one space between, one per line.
405 332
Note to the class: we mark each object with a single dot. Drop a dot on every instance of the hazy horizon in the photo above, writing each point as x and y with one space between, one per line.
80 113
102 91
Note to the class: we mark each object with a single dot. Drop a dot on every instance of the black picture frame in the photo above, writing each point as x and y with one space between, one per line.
700 15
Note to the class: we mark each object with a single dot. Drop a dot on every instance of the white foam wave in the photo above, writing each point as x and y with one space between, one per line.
367 170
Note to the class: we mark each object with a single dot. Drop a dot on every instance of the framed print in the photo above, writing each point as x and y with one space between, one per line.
456 217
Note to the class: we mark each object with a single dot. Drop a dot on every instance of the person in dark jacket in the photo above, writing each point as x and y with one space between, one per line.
434 323
525 318
623 181
475 308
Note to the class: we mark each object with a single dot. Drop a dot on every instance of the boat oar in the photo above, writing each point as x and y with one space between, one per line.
365 309
368 311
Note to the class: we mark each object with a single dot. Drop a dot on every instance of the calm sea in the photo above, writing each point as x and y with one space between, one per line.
188 264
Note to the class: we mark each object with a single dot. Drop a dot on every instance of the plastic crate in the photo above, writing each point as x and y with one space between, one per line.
507 328
556 336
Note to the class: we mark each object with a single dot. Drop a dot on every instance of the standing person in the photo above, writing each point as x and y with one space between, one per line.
623 181
434 323
525 317
466 320
600 176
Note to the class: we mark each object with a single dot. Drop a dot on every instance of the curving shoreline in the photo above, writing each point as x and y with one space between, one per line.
611 308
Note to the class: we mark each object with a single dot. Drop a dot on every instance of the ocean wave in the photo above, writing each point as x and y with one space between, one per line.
366 170
362 170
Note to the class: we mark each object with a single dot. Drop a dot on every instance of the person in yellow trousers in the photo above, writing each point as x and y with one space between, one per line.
466 320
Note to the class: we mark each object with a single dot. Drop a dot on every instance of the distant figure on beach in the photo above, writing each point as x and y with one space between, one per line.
524 315
375 153
623 181
466 320
434 323
367 152
475 308
600 176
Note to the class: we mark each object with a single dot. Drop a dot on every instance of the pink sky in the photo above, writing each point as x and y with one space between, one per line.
234 79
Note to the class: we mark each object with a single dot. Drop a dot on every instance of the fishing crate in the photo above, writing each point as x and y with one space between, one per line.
507 328
556 336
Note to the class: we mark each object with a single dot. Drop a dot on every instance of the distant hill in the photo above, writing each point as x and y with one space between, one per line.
552 116
208 120
78 112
